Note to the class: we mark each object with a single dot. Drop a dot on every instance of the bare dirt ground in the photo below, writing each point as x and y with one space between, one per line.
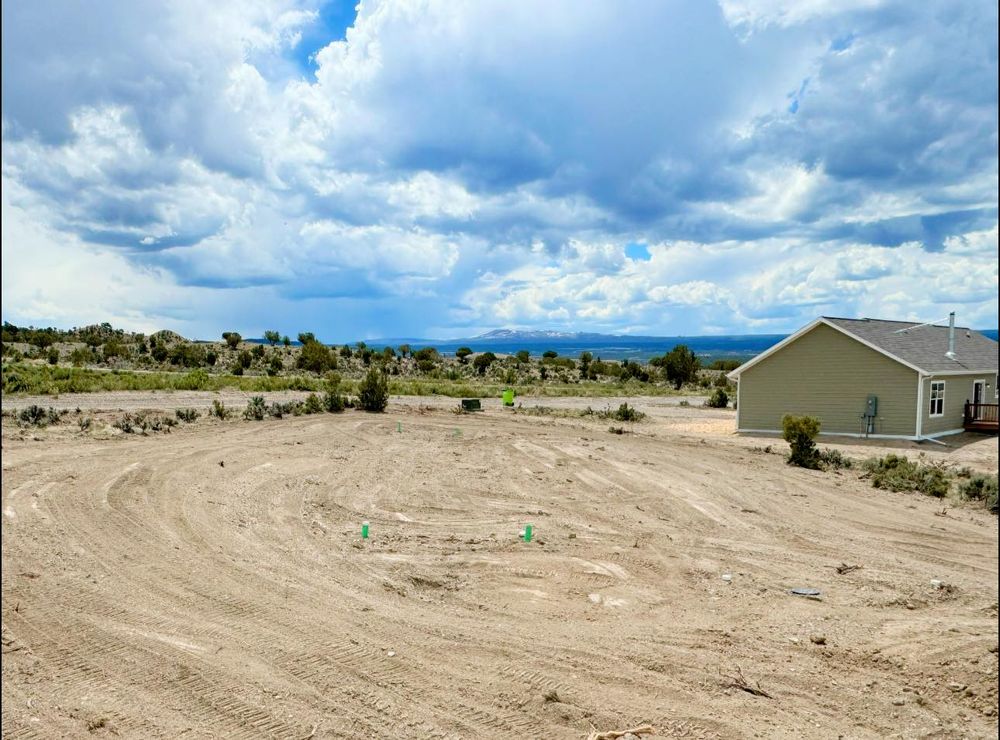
212 582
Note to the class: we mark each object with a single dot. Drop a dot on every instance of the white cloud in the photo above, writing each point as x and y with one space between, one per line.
487 162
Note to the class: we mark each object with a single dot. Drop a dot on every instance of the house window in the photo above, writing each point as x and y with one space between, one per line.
937 398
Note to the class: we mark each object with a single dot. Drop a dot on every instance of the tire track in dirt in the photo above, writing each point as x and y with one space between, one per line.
170 593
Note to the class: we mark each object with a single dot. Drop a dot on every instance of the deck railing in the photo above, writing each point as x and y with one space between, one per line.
983 413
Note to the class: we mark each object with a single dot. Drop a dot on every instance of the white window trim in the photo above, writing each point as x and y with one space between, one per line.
939 398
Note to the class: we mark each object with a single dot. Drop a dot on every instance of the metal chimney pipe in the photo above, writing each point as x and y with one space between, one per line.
951 336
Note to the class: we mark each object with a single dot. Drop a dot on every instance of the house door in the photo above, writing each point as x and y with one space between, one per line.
978 387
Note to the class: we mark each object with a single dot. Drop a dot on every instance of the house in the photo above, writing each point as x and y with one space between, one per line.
868 377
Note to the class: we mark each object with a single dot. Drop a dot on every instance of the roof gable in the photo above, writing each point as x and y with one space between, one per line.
918 347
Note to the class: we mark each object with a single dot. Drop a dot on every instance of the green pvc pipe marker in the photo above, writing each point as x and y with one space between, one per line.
364 530
527 533
399 426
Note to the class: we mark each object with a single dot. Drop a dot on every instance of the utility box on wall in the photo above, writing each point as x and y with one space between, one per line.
871 406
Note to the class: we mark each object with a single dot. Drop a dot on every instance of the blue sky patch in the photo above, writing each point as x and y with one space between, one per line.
637 251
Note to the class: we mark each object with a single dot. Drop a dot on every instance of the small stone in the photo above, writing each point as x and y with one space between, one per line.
391 654
898 702
572 535
818 639
956 687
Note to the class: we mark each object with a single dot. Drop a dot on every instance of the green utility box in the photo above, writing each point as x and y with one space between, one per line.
508 397
471 404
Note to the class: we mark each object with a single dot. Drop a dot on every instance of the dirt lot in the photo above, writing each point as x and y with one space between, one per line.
212 582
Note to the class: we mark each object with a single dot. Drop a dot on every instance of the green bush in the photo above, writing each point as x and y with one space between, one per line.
628 413
483 362
312 404
622 413
333 402
113 348
373 391
725 365
255 409
185 354
126 424
426 353
834 459
980 488
316 357
897 473
276 365
195 380
53 356
219 410
680 366
278 410
800 432
188 416
718 400
37 416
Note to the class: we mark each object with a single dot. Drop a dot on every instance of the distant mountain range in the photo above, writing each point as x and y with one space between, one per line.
606 346
532 334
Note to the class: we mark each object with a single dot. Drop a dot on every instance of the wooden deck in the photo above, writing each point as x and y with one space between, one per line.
981 417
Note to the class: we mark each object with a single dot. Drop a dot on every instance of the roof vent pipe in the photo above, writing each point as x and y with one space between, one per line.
950 354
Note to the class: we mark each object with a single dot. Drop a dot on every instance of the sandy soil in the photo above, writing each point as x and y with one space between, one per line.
672 415
212 582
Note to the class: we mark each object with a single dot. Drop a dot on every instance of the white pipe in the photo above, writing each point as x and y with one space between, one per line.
906 329
920 405
951 336
935 441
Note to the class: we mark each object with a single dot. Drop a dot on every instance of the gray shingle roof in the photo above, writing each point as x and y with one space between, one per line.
925 346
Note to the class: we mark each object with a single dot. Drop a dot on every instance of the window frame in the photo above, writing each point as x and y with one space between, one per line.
936 398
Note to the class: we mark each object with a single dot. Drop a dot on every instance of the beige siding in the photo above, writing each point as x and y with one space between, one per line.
957 390
826 374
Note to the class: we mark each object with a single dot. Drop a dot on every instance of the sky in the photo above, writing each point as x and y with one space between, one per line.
440 168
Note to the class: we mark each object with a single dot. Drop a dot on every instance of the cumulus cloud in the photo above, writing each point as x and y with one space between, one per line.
447 167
